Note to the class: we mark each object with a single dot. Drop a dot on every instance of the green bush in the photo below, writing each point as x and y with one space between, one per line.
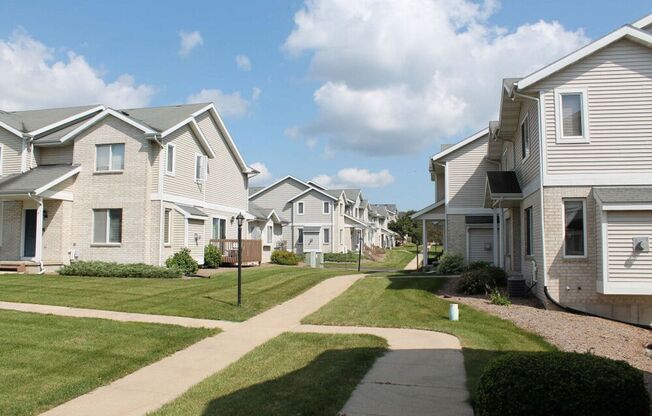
482 280
285 258
560 384
478 265
450 263
496 297
212 257
341 257
183 261
110 269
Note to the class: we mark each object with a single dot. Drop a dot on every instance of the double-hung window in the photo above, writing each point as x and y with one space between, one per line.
300 236
327 207
571 110
326 232
300 208
107 226
170 162
525 138
110 157
167 226
529 232
574 228
219 229
201 169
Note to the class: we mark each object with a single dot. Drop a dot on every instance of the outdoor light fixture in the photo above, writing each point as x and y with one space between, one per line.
240 218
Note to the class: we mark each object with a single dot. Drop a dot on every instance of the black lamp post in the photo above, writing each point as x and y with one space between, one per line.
360 242
240 218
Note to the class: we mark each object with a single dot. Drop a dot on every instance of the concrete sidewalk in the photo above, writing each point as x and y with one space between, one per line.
423 374
151 387
413 264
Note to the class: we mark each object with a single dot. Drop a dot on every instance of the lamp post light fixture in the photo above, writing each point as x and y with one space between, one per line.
240 218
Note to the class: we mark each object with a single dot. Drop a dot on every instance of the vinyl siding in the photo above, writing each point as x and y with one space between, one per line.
313 210
183 182
11 148
618 80
196 246
467 174
55 155
478 239
527 169
623 263
277 197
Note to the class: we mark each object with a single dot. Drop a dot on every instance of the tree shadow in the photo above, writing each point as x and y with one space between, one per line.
320 388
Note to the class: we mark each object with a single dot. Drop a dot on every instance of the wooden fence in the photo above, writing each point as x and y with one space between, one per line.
252 251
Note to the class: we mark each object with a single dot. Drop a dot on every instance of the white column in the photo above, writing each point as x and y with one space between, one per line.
38 251
495 235
424 237
501 244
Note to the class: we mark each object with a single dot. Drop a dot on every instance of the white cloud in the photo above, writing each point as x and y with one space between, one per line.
264 177
243 62
34 77
311 143
189 41
293 132
355 178
399 75
233 105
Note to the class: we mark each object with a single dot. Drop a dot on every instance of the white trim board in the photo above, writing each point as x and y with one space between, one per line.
310 190
598 179
278 182
201 204
66 120
459 145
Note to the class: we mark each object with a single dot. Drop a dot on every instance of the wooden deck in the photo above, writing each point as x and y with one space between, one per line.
252 251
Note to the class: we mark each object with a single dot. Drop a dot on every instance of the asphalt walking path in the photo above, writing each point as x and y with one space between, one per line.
422 374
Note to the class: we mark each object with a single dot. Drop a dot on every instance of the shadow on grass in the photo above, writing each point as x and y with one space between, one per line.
320 388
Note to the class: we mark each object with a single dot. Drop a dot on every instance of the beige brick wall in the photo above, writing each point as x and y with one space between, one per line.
11 230
456 232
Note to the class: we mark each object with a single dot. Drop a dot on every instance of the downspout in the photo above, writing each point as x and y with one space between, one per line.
39 201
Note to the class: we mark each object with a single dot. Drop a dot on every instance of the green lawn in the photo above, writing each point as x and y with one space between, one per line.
395 259
197 298
411 303
47 360
293 374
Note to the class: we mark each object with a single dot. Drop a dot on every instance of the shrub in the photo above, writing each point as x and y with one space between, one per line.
450 263
478 265
341 257
212 257
110 269
482 280
183 261
498 298
285 258
560 384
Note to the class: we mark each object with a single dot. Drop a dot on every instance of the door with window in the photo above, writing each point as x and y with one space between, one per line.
29 233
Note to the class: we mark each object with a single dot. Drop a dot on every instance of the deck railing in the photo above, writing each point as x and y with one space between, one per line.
252 251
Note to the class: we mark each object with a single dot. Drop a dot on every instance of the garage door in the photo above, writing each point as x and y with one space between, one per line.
480 244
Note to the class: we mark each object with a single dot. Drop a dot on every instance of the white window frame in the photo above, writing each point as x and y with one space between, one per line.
560 138
174 159
108 227
584 225
168 213
217 217
204 171
110 170
269 234
529 225
301 211
326 231
525 146
326 207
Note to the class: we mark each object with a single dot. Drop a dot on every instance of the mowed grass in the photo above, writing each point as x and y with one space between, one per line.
394 259
293 374
47 360
411 303
213 298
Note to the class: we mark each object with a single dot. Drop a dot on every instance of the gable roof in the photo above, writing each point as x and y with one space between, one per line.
37 180
278 182
625 32
643 22
459 145
36 121
311 189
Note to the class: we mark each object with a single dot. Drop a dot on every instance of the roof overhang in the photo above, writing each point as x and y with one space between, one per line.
503 189
356 222
311 189
278 182
470 139
66 120
435 211
191 213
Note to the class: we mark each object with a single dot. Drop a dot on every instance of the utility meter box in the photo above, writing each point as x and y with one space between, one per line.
641 244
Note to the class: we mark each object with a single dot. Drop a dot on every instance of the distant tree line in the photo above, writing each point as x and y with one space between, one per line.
411 230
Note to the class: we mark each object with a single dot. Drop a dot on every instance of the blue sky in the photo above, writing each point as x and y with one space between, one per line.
353 95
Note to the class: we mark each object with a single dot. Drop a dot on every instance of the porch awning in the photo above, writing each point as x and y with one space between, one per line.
436 211
502 186
38 181
191 212
352 222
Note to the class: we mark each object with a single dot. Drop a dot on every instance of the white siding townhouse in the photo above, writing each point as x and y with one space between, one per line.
568 170
130 185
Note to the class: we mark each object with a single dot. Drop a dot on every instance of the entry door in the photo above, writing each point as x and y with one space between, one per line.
29 240
480 244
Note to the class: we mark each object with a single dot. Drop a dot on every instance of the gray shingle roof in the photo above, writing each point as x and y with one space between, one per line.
162 118
194 211
624 194
54 136
255 189
30 181
31 120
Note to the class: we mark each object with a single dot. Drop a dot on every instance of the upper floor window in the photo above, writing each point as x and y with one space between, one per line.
170 157
327 207
110 157
574 228
525 137
571 116
200 168
300 208
107 226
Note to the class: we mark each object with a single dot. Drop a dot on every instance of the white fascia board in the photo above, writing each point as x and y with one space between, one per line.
355 220
426 209
58 180
470 139
66 120
627 31
310 190
229 140
107 112
278 182
195 128
188 215
11 129
642 22
316 185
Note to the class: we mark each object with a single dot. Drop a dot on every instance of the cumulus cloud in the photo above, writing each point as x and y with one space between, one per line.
189 41
355 178
400 75
243 62
264 177
34 77
228 105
